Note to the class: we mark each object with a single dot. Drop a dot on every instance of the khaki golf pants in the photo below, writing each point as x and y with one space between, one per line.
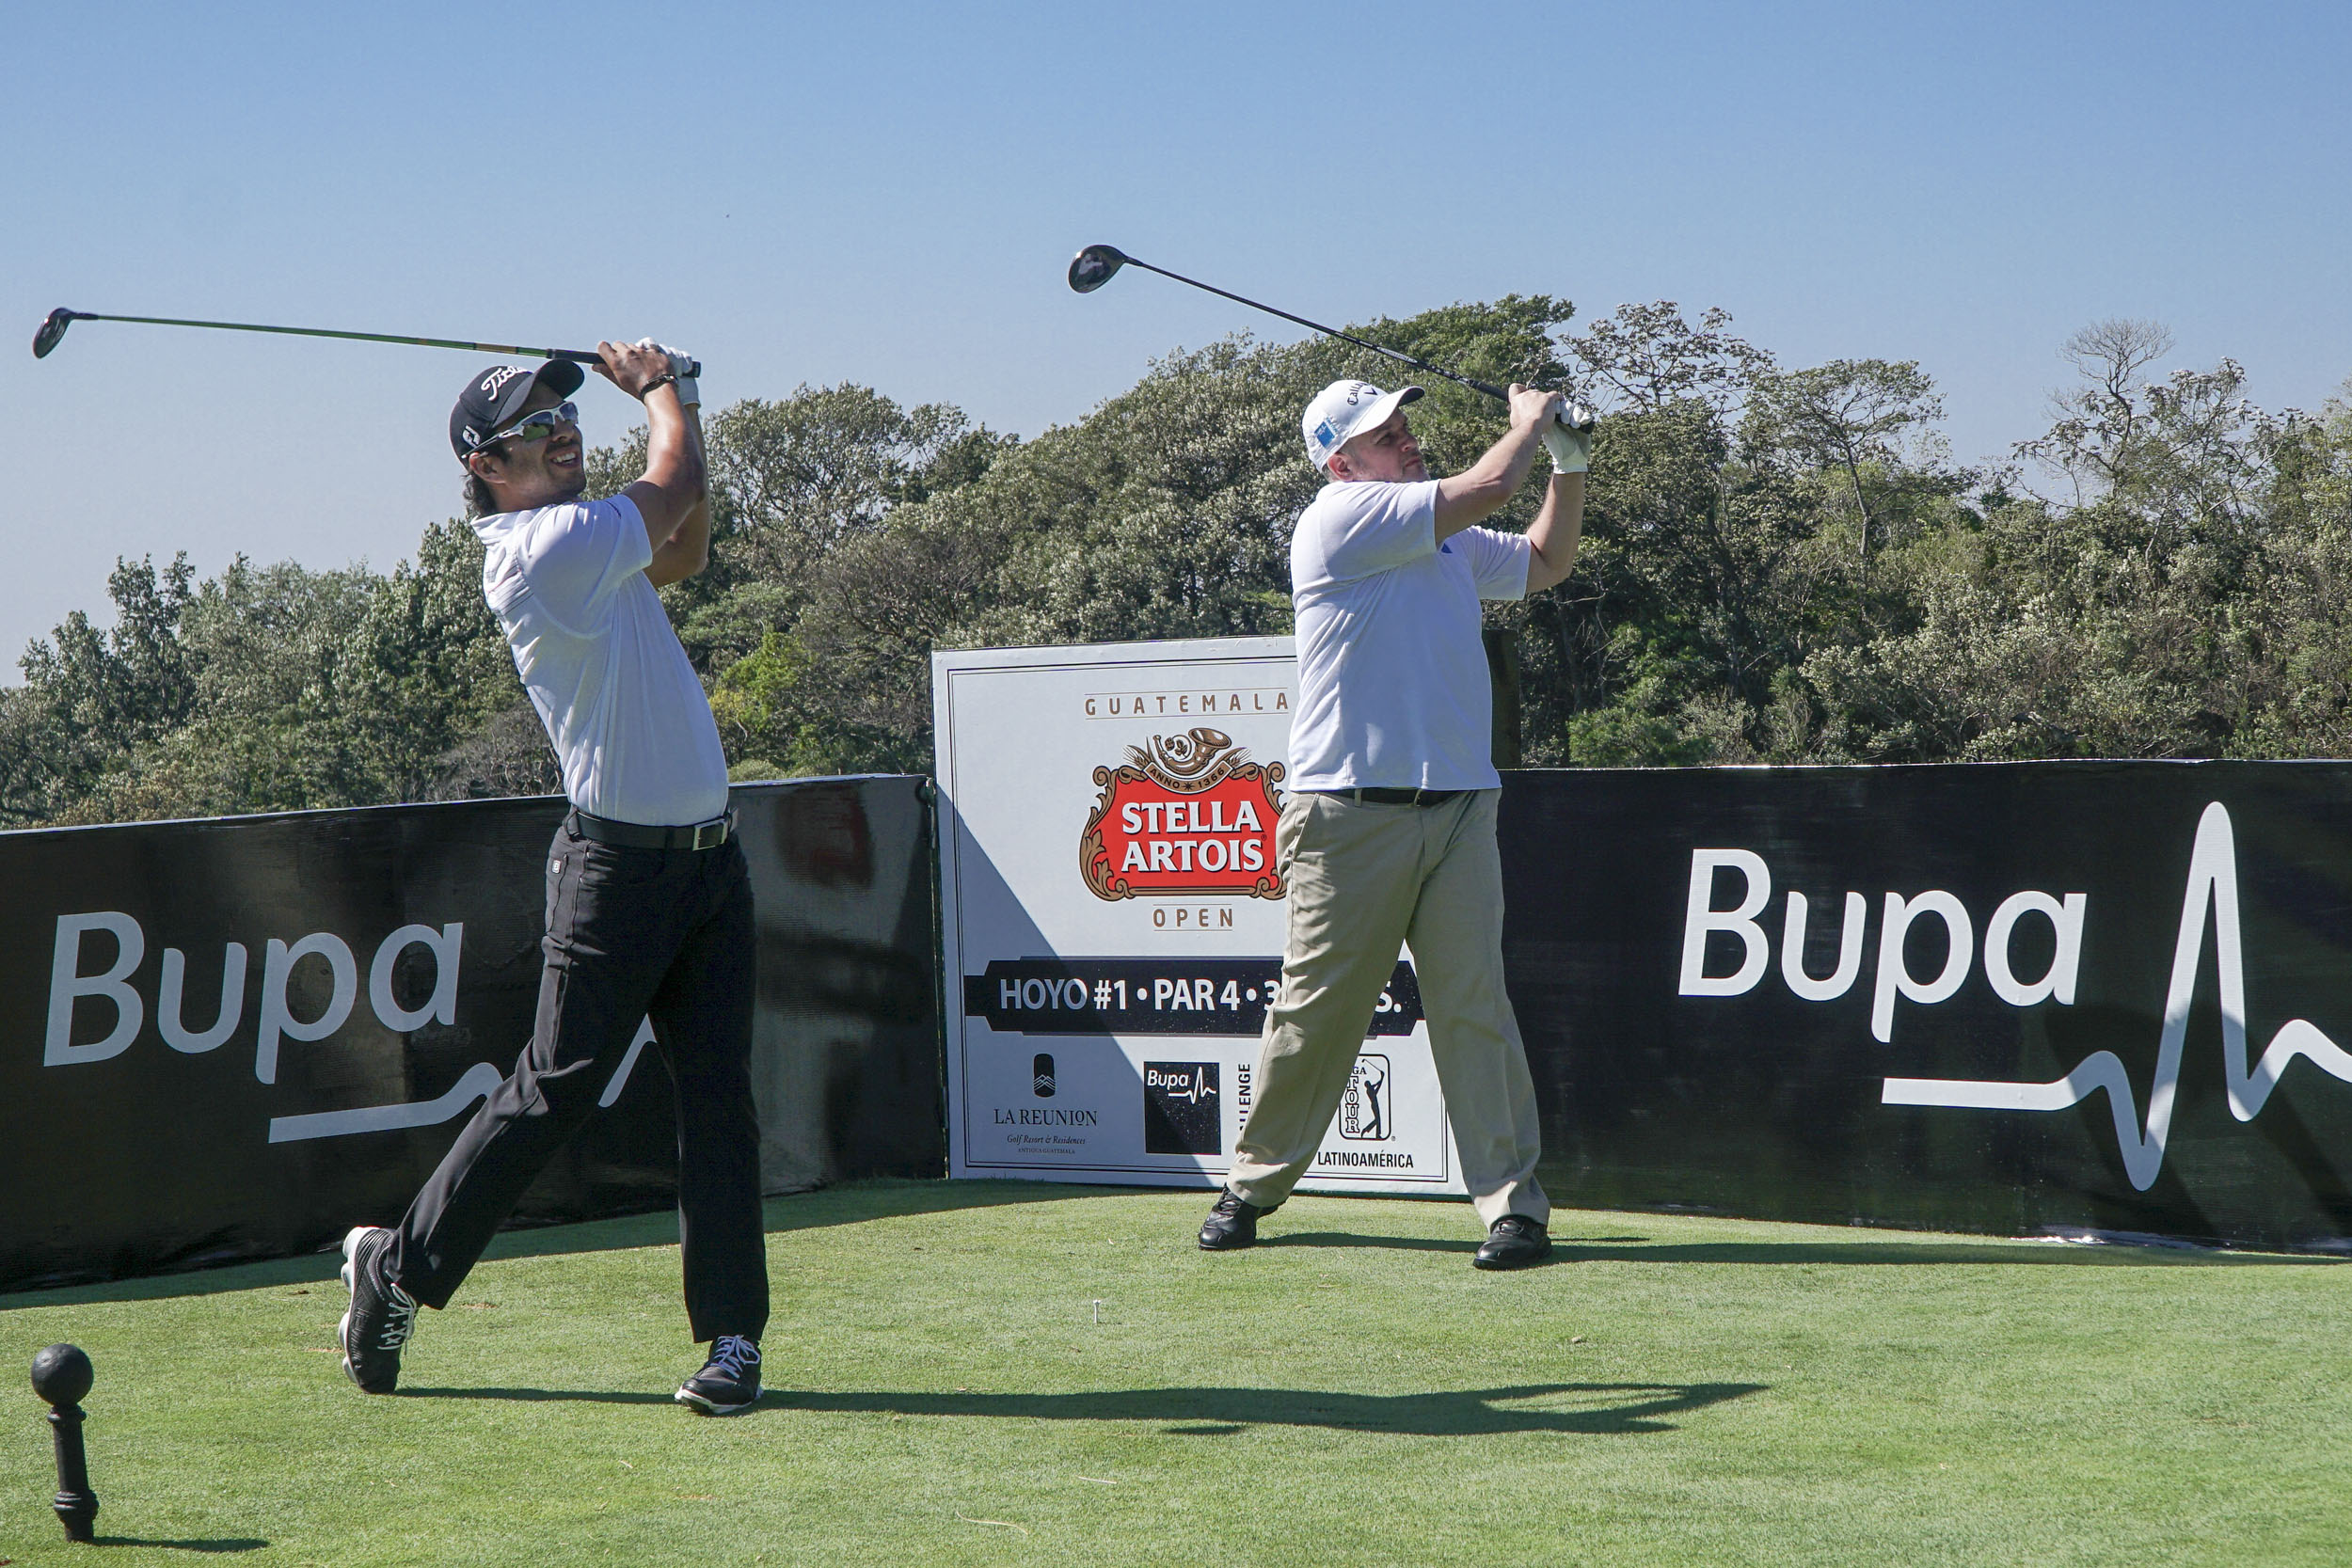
1364 880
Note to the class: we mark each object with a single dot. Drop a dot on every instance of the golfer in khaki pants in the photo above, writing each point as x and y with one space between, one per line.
1389 837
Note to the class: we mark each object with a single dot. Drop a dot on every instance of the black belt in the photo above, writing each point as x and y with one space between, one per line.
636 835
1390 796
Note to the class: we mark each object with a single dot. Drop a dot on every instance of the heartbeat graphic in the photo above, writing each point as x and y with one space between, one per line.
2212 882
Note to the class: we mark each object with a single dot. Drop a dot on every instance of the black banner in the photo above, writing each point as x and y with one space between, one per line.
229 1039
1151 996
2003 998
2115 996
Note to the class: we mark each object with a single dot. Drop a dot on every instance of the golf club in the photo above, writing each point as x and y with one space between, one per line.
1098 263
52 331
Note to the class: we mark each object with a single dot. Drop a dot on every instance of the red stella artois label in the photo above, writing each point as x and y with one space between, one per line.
1190 814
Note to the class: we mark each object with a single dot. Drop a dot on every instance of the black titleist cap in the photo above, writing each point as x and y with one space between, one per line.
494 399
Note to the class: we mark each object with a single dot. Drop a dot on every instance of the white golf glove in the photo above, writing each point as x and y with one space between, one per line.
681 366
1571 449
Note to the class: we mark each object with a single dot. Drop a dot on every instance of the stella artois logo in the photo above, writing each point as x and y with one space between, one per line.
1190 814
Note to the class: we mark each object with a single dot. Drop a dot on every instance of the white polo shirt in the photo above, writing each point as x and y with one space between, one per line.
630 724
1392 684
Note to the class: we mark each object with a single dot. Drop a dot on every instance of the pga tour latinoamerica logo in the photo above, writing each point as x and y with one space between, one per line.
1189 815
1364 1107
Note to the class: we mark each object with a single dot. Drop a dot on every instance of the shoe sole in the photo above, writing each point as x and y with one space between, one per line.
704 1406
1500 1264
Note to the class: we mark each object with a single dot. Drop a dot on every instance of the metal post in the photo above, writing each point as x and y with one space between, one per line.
62 1376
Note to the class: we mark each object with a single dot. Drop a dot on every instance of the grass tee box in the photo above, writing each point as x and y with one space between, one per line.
1670 1390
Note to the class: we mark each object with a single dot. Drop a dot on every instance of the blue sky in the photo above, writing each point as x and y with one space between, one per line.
889 195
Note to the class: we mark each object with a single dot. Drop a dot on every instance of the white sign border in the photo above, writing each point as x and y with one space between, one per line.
1190 654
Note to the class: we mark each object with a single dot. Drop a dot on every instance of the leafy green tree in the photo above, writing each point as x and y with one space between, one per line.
2187 605
792 481
89 698
1847 415
1165 513
426 668
1779 565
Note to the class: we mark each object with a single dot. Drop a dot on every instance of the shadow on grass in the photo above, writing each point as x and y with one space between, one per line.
239 1545
1640 1249
1571 1407
1423 1243
540 1396
1574 1407
1847 1254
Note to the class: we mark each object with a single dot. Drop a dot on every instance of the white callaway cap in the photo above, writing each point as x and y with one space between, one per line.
1344 407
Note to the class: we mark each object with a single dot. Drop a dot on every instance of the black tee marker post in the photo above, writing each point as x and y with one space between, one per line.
62 1376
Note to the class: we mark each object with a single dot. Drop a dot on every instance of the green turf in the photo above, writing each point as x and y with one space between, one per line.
1672 1390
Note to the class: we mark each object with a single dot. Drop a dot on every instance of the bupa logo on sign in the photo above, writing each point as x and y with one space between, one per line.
1181 1113
1189 815
2212 892
90 986
111 986
1891 976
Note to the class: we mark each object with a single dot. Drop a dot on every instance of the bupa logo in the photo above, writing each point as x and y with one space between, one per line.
278 1020
309 991
1891 976
1190 1082
1179 1109
2212 892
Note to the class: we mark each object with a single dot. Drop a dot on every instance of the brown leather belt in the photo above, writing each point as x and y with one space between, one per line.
1389 796
637 835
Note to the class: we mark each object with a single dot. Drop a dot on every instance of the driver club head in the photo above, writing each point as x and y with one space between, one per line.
53 330
1089 271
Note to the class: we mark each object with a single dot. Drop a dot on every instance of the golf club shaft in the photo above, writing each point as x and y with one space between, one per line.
1471 381
581 356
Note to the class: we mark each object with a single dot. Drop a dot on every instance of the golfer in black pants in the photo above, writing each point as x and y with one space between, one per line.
649 907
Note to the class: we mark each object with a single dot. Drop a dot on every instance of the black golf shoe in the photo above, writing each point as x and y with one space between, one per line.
1232 1223
728 1385
381 1316
1513 1242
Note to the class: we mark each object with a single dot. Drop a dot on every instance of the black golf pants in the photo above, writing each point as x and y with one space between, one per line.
631 933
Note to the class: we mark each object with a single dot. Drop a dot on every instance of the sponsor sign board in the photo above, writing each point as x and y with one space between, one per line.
1112 915
2103 996
235 1039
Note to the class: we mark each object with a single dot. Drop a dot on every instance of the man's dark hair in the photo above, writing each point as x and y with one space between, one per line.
478 502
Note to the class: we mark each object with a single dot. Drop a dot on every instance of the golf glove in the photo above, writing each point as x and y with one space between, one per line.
1572 449
681 364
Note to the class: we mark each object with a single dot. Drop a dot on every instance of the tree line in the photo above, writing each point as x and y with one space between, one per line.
1779 565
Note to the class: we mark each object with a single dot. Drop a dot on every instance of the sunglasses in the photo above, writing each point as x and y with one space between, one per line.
536 427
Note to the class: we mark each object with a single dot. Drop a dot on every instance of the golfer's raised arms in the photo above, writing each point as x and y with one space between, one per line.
1480 491
672 484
